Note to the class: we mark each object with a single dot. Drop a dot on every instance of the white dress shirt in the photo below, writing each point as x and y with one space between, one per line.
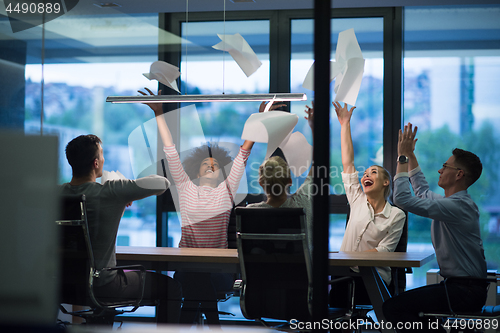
367 230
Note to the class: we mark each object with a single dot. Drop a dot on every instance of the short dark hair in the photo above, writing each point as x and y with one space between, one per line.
81 153
469 163
193 161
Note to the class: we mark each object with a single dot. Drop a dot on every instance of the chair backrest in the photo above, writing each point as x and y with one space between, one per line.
398 283
77 260
275 263
231 227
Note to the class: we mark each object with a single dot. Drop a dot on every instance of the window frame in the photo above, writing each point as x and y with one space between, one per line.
280 70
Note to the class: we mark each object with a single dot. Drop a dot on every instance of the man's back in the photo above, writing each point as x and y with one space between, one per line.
105 206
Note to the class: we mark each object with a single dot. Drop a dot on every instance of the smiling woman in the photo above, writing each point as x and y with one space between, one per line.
374 225
208 157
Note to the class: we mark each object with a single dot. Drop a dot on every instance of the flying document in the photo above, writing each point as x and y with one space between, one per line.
347 68
275 128
241 52
164 73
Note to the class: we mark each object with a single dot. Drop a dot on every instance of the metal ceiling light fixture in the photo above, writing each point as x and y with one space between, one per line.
282 97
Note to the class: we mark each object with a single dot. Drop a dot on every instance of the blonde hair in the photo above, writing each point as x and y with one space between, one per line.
386 176
274 176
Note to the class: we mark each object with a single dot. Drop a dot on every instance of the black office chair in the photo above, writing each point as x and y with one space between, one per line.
78 269
224 296
398 274
275 263
465 320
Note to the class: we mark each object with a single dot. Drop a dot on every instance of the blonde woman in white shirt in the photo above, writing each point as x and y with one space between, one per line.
374 224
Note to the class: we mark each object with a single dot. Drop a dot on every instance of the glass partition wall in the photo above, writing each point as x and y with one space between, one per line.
72 64
56 78
367 120
451 80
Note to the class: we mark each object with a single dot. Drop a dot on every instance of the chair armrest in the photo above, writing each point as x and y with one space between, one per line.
127 267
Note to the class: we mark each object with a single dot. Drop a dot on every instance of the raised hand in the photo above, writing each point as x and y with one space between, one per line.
156 107
343 115
406 140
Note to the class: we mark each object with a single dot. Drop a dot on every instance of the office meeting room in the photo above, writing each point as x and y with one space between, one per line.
250 165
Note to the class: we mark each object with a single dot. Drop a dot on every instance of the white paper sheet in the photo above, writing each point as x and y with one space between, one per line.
111 175
271 127
165 73
298 153
348 69
275 128
241 52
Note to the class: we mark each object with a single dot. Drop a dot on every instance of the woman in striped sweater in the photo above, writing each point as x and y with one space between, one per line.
206 198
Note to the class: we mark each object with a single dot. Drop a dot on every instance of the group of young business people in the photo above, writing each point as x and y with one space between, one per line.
206 198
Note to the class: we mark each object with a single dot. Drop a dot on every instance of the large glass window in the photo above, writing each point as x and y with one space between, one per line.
205 70
367 120
56 80
451 79
70 67
70 70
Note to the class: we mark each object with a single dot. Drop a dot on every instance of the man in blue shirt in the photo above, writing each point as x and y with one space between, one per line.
455 234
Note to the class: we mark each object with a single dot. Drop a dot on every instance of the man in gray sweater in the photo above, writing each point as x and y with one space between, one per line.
106 204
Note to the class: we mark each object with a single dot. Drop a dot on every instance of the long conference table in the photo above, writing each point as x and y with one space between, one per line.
226 260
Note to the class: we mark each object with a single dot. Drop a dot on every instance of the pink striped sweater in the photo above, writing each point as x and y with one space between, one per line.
205 211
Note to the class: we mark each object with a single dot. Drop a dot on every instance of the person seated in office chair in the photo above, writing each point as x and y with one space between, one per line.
206 199
374 224
455 233
275 179
105 206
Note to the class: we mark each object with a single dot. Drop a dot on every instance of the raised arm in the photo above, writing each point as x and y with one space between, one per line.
165 134
344 117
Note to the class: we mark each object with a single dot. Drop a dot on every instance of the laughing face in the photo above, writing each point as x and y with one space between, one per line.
209 168
373 181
